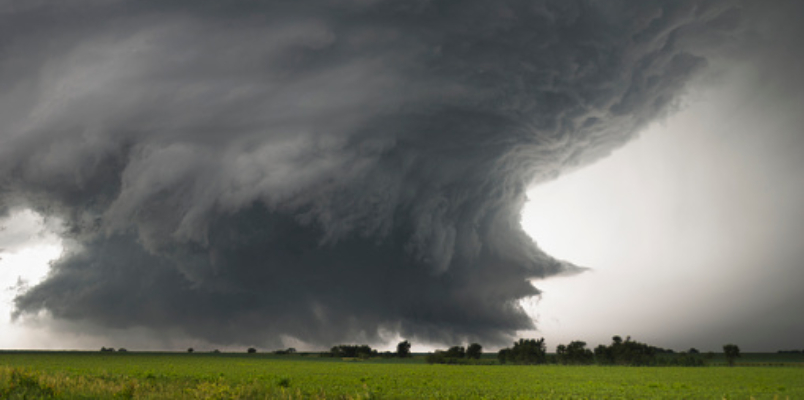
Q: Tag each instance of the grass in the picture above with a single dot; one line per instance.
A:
(87, 375)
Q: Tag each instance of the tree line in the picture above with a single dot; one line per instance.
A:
(532, 352)
(619, 352)
(456, 355)
(365, 351)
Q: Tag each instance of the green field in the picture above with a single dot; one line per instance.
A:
(90, 375)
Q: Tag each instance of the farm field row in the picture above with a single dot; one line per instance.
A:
(224, 376)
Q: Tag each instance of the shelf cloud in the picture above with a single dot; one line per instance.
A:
(250, 171)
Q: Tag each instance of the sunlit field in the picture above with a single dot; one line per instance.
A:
(255, 376)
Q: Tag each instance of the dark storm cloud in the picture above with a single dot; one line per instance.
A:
(244, 171)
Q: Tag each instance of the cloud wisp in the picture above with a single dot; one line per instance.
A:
(319, 170)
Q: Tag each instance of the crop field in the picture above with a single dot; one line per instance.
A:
(88, 375)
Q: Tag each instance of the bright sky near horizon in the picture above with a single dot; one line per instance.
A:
(27, 248)
(695, 226)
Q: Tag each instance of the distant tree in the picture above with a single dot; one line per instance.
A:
(455, 352)
(626, 352)
(216, 351)
(436, 357)
(289, 350)
(731, 351)
(693, 350)
(525, 351)
(504, 355)
(352, 351)
(603, 355)
(475, 350)
(251, 350)
(122, 350)
(190, 350)
(574, 353)
(455, 355)
(107, 350)
(403, 349)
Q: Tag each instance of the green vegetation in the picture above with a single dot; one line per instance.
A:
(620, 352)
(525, 351)
(575, 353)
(474, 351)
(293, 376)
(731, 351)
(403, 349)
(352, 351)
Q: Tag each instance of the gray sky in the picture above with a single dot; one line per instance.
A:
(311, 173)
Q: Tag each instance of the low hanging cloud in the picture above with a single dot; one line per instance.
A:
(247, 171)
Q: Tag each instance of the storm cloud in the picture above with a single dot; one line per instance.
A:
(250, 171)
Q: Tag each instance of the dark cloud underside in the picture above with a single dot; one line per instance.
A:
(244, 171)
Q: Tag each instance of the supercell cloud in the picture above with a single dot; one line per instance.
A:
(249, 171)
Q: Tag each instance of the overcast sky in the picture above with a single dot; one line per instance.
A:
(311, 173)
